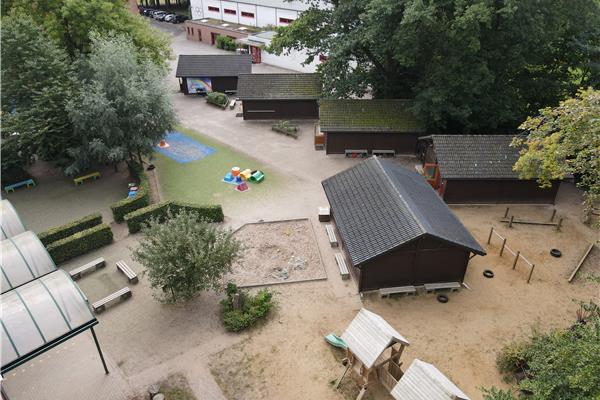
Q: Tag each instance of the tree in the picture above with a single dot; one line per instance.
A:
(469, 65)
(185, 255)
(564, 140)
(123, 108)
(36, 85)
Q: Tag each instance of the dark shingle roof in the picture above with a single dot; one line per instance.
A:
(379, 206)
(376, 115)
(213, 65)
(279, 87)
(475, 156)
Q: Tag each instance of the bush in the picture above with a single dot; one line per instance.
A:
(252, 308)
(217, 98)
(135, 219)
(141, 199)
(497, 394)
(61, 232)
(80, 243)
(512, 359)
(286, 128)
(226, 43)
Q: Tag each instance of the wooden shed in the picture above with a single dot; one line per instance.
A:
(279, 96)
(479, 169)
(395, 229)
(423, 381)
(363, 124)
(211, 72)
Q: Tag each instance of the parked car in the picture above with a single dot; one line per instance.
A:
(156, 14)
(159, 16)
(169, 17)
(148, 12)
(179, 19)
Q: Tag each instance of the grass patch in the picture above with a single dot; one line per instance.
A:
(201, 181)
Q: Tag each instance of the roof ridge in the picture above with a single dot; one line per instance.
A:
(408, 207)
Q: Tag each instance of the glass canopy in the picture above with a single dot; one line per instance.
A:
(24, 258)
(10, 223)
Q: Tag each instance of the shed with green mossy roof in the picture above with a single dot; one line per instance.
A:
(369, 124)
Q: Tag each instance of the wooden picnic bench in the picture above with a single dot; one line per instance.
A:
(121, 294)
(434, 287)
(384, 153)
(13, 186)
(91, 266)
(339, 259)
(129, 273)
(356, 152)
(331, 235)
(80, 179)
(387, 292)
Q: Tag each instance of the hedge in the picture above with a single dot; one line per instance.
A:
(80, 243)
(218, 99)
(135, 219)
(141, 199)
(63, 231)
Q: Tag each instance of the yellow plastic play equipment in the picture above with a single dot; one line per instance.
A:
(246, 174)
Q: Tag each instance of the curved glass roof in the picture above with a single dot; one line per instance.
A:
(10, 222)
(40, 313)
(24, 258)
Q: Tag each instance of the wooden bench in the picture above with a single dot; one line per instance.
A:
(384, 153)
(129, 273)
(12, 187)
(232, 104)
(121, 294)
(434, 287)
(92, 265)
(356, 152)
(331, 235)
(387, 292)
(80, 179)
(339, 259)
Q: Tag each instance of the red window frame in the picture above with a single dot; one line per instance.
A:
(285, 20)
(214, 9)
(247, 14)
(229, 11)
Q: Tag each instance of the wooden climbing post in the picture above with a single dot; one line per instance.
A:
(559, 224)
(530, 272)
(506, 213)
(512, 217)
(490, 236)
(553, 215)
(503, 245)
(516, 259)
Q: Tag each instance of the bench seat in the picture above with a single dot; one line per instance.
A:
(387, 292)
(356, 152)
(385, 153)
(129, 273)
(80, 179)
(91, 266)
(331, 235)
(434, 287)
(121, 294)
(339, 259)
(12, 187)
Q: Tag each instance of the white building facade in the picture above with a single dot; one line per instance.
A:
(259, 13)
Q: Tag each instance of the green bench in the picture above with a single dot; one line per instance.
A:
(11, 188)
(80, 179)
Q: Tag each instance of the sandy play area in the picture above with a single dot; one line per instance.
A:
(277, 252)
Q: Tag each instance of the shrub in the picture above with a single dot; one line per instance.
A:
(141, 199)
(286, 128)
(217, 98)
(252, 308)
(80, 243)
(512, 359)
(226, 43)
(135, 219)
(497, 394)
(61, 232)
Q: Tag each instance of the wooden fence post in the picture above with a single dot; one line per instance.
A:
(516, 259)
(553, 215)
(506, 213)
(530, 272)
(512, 217)
(559, 224)
(502, 248)
(490, 236)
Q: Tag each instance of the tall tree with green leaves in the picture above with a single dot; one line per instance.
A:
(469, 65)
(562, 141)
(123, 108)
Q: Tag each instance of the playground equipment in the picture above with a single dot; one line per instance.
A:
(240, 178)
(336, 341)
(163, 144)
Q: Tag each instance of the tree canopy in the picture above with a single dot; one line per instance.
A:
(469, 65)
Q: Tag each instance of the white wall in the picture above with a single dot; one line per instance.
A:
(266, 16)
(292, 61)
(247, 8)
(289, 14)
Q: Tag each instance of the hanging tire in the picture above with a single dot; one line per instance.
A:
(488, 273)
(442, 298)
(555, 253)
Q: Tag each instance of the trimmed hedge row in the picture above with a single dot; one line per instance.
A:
(218, 99)
(135, 219)
(80, 243)
(63, 231)
(141, 199)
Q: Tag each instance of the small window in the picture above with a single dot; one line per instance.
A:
(247, 14)
(323, 58)
(228, 11)
(214, 9)
(285, 20)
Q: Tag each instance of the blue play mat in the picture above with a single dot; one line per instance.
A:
(184, 149)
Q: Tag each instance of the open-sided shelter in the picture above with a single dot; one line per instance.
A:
(279, 96)
(395, 229)
(479, 169)
(211, 72)
(423, 381)
(10, 222)
(368, 124)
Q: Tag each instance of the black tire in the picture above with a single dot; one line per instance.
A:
(488, 273)
(442, 298)
(555, 253)
(150, 167)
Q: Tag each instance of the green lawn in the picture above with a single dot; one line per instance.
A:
(201, 181)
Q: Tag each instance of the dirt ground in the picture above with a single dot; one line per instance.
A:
(277, 252)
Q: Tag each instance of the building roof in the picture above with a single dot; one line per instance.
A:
(211, 65)
(368, 335)
(279, 86)
(423, 381)
(375, 115)
(225, 25)
(379, 206)
(475, 156)
(10, 222)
